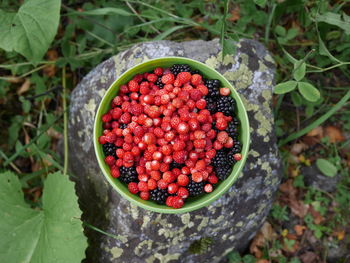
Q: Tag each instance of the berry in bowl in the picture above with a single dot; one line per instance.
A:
(171, 135)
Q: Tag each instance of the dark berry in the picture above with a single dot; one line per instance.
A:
(194, 188)
(159, 83)
(175, 165)
(232, 129)
(128, 174)
(213, 86)
(159, 195)
(230, 159)
(109, 149)
(226, 105)
(223, 172)
(177, 68)
(123, 126)
(211, 104)
(220, 158)
(194, 71)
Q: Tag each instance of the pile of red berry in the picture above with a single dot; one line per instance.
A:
(170, 135)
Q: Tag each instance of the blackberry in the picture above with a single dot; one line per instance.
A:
(159, 83)
(230, 159)
(232, 129)
(194, 188)
(223, 172)
(159, 195)
(220, 158)
(123, 126)
(177, 68)
(194, 71)
(237, 147)
(128, 174)
(213, 86)
(175, 165)
(211, 104)
(226, 105)
(109, 149)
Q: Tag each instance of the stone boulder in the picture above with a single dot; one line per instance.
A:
(204, 235)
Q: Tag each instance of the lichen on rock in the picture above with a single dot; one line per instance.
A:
(229, 222)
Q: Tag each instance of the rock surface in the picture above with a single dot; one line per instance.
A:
(228, 223)
(313, 177)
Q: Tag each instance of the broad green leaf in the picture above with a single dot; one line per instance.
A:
(53, 234)
(299, 70)
(292, 33)
(308, 91)
(260, 3)
(103, 11)
(285, 87)
(30, 30)
(326, 167)
(297, 100)
(280, 30)
(335, 19)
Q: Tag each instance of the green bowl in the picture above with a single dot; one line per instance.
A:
(190, 203)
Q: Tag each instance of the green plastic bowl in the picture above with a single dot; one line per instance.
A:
(190, 203)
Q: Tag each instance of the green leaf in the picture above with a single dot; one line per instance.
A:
(299, 70)
(234, 257)
(292, 33)
(285, 87)
(103, 11)
(323, 50)
(53, 234)
(31, 30)
(326, 167)
(280, 30)
(308, 91)
(297, 100)
(168, 32)
(260, 3)
(336, 20)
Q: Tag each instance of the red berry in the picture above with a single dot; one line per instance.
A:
(183, 128)
(152, 184)
(179, 145)
(133, 86)
(162, 184)
(203, 89)
(177, 202)
(222, 137)
(183, 180)
(213, 179)
(109, 160)
(149, 138)
(194, 124)
(183, 192)
(196, 94)
(237, 156)
(172, 188)
(201, 104)
(133, 188)
(197, 177)
(208, 188)
(168, 78)
(158, 71)
(144, 195)
(169, 201)
(199, 144)
(115, 172)
(196, 79)
(183, 77)
(152, 77)
(225, 91)
(106, 117)
(221, 124)
(168, 177)
(180, 156)
(125, 118)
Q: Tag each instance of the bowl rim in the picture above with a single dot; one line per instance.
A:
(196, 205)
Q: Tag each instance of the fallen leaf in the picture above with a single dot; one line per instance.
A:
(339, 234)
(334, 134)
(257, 242)
(235, 14)
(267, 231)
(288, 188)
(299, 229)
(318, 219)
(13, 79)
(24, 87)
(316, 132)
(297, 148)
(309, 257)
(263, 261)
(50, 69)
(298, 208)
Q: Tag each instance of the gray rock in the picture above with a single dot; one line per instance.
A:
(228, 223)
(313, 177)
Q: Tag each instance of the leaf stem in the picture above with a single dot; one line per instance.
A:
(65, 121)
(268, 25)
(317, 122)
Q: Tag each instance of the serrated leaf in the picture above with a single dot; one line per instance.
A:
(308, 91)
(53, 234)
(31, 30)
(326, 167)
(335, 19)
(103, 11)
(285, 87)
(280, 30)
(299, 70)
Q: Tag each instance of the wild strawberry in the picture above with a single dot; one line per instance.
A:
(158, 71)
(179, 145)
(229, 143)
(115, 172)
(178, 103)
(177, 202)
(193, 124)
(152, 184)
(109, 160)
(197, 177)
(164, 99)
(168, 177)
(180, 156)
(168, 78)
(222, 137)
(225, 91)
(133, 188)
(185, 170)
(110, 137)
(155, 165)
(217, 145)
(152, 77)
(183, 192)
(183, 77)
(221, 124)
(148, 99)
(144, 195)
(102, 139)
(169, 201)
(133, 86)
(213, 179)
(208, 188)
(200, 165)
(203, 89)
(196, 79)
(201, 104)
(169, 136)
(149, 138)
(155, 175)
(182, 128)
(237, 156)
(175, 122)
(158, 132)
(124, 89)
(106, 117)
(162, 184)
(125, 118)
(199, 144)
(172, 188)
(138, 78)
(196, 94)
(185, 95)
